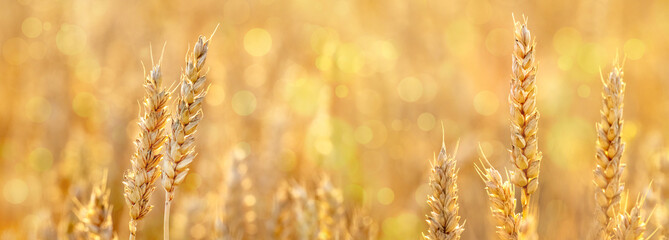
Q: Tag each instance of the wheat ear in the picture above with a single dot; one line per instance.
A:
(610, 149)
(525, 154)
(361, 226)
(96, 215)
(443, 220)
(305, 212)
(630, 225)
(139, 180)
(237, 189)
(180, 149)
(502, 200)
(282, 223)
(330, 210)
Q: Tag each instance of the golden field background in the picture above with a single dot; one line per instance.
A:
(357, 90)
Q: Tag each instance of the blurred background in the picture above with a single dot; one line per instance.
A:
(357, 90)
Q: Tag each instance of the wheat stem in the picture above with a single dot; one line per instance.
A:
(166, 218)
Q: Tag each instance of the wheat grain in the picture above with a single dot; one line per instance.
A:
(139, 180)
(96, 215)
(443, 220)
(610, 149)
(502, 201)
(180, 149)
(525, 154)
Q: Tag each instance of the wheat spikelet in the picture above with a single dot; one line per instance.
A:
(330, 210)
(140, 179)
(502, 201)
(443, 220)
(525, 154)
(610, 149)
(96, 215)
(629, 225)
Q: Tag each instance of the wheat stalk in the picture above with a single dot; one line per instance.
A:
(610, 149)
(96, 215)
(502, 200)
(525, 154)
(180, 149)
(630, 225)
(443, 220)
(139, 180)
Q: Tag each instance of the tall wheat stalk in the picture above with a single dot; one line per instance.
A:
(443, 220)
(525, 154)
(610, 149)
(180, 149)
(139, 180)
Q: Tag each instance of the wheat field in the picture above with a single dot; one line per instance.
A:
(334, 119)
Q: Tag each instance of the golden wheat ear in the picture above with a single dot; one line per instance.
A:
(139, 180)
(501, 198)
(443, 220)
(609, 151)
(180, 147)
(525, 154)
(96, 214)
(238, 187)
(330, 205)
(630, 225)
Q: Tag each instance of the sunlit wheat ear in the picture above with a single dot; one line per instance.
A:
(235, 207)
(630, 225)
(305, 212)
(282, 223)
(610, 149)
(501, 199)
(180, 147)
(330, 210)
(525, 154)
(360, 226)
(139, 180)
(443, 220)
(96, 214)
